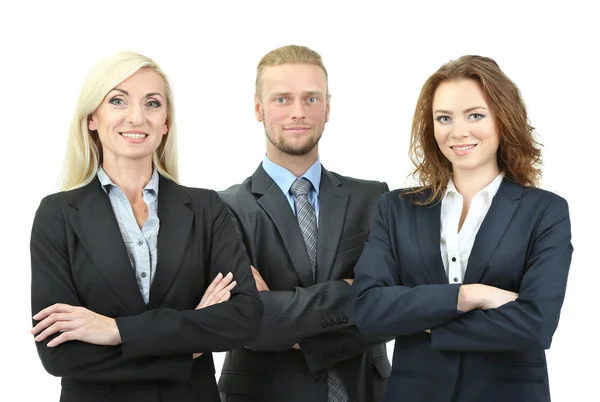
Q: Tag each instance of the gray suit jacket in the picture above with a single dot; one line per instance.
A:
(316, 316)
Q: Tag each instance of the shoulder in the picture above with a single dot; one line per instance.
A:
(61, 200)
(353, 183)
(544, 200)
(409, 197)
(238, 196)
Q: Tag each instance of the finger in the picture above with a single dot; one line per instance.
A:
(257, 277)
(214, 282)
(255, 272)
(217, 296)
(62, 338)
(226, 293)
(223, 283)
(213, 296)
(225, 298)
(218, 283)
(55, 308)
(51, 319)
(60, 326)
(210, 287)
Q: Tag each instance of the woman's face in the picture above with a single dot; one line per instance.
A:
(464, 127)
(132, 119)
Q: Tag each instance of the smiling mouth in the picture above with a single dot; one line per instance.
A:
(464, 147)
(134, 136)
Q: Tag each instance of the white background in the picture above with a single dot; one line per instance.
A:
(378, 55)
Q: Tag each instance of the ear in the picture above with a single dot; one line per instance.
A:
(258, 109)
(92, 123)
(327, 109)
(165, 128)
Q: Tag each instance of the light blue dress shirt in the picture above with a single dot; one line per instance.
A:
(141, 244)
(284, 179)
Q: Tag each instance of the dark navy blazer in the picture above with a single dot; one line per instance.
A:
(401, 289)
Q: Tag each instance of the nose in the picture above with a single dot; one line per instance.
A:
(298, 109)
(460, 129)
(135, 115)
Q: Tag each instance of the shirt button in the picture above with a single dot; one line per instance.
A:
(143, 275)
(455, 279)
(140, 242)
(453, 259)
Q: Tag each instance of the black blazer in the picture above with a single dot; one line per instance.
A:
(78, 257)
(401, 287)
(297, 311)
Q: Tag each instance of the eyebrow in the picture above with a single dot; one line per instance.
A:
(148, 95)
(303, 93)
(464, 111)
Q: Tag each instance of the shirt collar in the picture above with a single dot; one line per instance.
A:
(284, 178)
(106, 182)
(490, 190)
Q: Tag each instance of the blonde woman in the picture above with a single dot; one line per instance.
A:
(133, 275)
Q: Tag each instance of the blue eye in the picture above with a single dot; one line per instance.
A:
(116, 101)
(312, 99)
(280, 100)
(153, 103)
(476, 116)
(444, 119)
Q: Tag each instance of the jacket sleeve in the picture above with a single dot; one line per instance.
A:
(530, 321)
(382, 304)
(220, 327)
(51, 282)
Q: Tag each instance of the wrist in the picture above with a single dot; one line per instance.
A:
(467, 299)
(116, 334)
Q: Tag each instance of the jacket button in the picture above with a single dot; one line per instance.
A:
(338, 320)
(330, 321)
(345, 319)
(320, 377)
(324, 324)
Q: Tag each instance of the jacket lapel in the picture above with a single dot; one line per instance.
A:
(275, 204)
(333, 205)
(94, 223)
(176, 220)
(428, 238)
(492, 229)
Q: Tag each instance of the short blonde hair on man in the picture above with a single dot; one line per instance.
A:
(290, 54)
(84, 152)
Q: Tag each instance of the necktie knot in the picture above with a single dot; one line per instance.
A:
(300, 186)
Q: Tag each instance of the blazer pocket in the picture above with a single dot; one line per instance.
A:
(231, 382)
(353, 242)
(383, 366)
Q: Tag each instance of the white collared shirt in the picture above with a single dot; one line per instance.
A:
(456, 246)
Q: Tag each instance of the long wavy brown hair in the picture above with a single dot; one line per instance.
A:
(519, 154)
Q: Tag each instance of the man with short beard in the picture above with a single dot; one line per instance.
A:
(304, 229)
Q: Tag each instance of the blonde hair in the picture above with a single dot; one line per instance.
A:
(84, 151)
(290, 54)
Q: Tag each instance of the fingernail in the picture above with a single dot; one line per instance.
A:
(230, 274)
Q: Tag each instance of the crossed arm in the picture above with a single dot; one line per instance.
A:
(472, 317)
(160, 344)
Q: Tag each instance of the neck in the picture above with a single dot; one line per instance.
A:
(470, 182)
(297, 164)
(130, 175)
